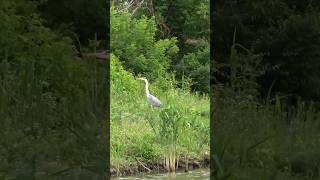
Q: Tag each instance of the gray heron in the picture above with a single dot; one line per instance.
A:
(152, 99)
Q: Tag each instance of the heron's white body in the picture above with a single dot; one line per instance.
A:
(151, 99)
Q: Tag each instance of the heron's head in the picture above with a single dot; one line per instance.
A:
(142, 78)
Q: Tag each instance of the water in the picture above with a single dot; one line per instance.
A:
(198, 174)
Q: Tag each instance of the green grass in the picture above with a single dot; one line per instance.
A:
(132, 119)
(262, 142)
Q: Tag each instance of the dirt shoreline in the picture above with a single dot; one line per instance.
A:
(153, 168)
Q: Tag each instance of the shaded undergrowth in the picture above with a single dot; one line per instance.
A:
(263, 142)
(52, 104)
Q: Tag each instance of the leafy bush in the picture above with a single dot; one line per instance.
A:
(122, 80)
(133, 41)
(196, 66)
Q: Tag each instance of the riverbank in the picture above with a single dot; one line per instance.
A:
(195, 174)
(156, 167)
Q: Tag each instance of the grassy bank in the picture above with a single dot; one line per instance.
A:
(140, 134)
(266, 141)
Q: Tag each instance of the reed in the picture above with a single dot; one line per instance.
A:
(170, 126)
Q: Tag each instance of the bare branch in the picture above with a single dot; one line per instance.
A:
(139, 5)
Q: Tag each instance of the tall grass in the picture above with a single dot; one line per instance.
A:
(169, 133)
(51, 108)
(263, 142)
(262, 138)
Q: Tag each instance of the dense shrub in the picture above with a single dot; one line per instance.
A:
(133, 41)
(122, 80)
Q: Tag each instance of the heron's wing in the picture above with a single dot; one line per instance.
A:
(154, 101)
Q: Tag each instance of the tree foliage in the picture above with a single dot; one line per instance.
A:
(133, 41)
(51, 103)
(172, 25)
(83, 18)
(286, 33)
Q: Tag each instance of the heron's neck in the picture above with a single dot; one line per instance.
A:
(147, 87)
